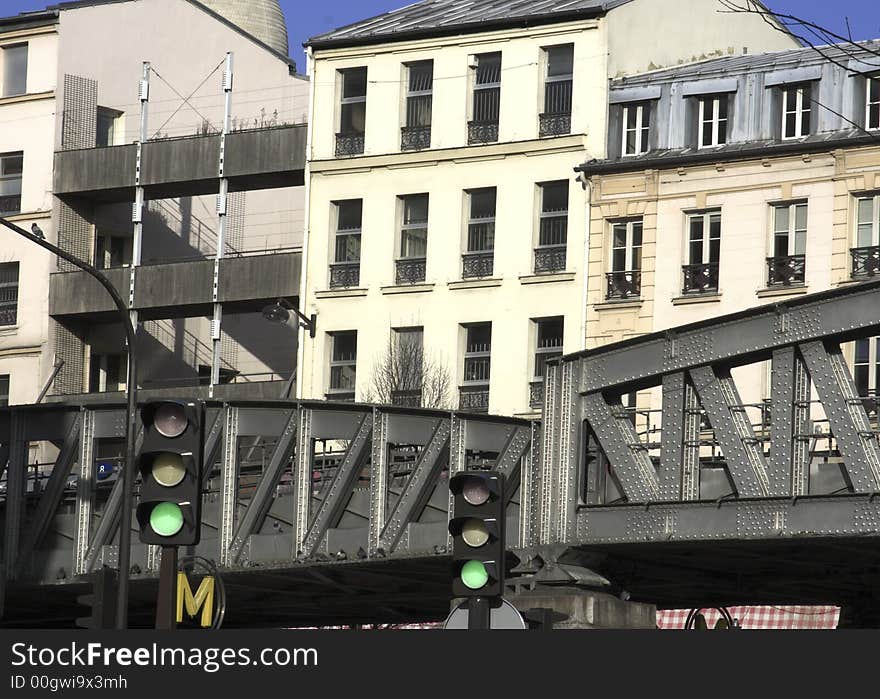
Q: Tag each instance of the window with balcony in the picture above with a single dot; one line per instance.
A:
(703, 253)
(352, 111)
(866, 252)
(788, 264)
(712, 120)
(108, 373)
(479, 260)
(872, 115)
(8, 293)
(109, 127)
(636, 128)
(796, 111)
(412, 260)
(15, 64)
(474, 392)
(555, 120)
(345, 270)
(486, 105)
(11, 168)
(416, 133)
(343, 365)
(866, 371)
(548, 345)
(624, 281)
(550, 254)
(4, 390)
(405, 373)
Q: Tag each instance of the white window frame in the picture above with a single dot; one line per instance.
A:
(873, 362)
(551, 79)
(477, 355)
(12, 178)
(343, 100)
(798, 110)
(478, 87)
(630, 248)
(870, 83)
(3, 58)
(414, 226)
(714, 119)
(415, 94)
(875, 221)
(477, 221)
(331, 389)
(707, 236)
(640, 146)
(793, 230)
(14, 275)
(550, 351)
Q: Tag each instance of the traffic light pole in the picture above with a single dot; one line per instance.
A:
(130, 417)
(479, 612)
(167, 600)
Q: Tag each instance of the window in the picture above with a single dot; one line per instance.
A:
(15, 61)
(346, 268)
(107, 373)
(636, 128)
(866, 371)
(406, 371)
(787, 265)
(866, 253)
(411, 262)
(872, 117)
(343, 365)
(552, 228)
(416, 134)
(112, 250)
(556, 118)
(796, 109)
(109, 129)
(625, 277)
(477, 365)
(479, 260)
(486, 107)
(4, 390)
(704, 253)
(353, 112)
(11, 167)
(713, 121)
(8, 293)
(548, 345)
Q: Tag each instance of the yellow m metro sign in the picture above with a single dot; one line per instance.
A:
(204, 599)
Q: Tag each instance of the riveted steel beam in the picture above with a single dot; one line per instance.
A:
(85, 494)
(673, 436)
(378, 480)
(417, 491)
(544, 485)
(213, 440)
(510, 459)
(789, 409)
(16, 481)
(846, 414)
(302, 480)
(229, 486)
(258, 508)
(742, 451)
(565, 498)
(530, 491)
(331, 508)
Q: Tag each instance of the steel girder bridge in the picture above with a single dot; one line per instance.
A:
(320, 513)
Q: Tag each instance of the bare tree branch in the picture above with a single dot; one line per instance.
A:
(405, 375)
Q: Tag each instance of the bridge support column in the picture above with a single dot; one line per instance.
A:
(587, 609)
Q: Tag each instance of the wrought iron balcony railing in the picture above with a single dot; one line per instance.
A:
(700, 279)
(340, 396)
(349, 144)
(415, 137)
(865, 261)
(474, 399)
(624, 285)
(554, 124)
(786, 270)
(406, 399)
(550, 258)
(536, 394)
(411, 270)
(477, 264)
(10, 205)
(482, 132)
(345, 274)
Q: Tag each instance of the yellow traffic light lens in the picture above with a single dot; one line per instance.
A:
(475, 491)
(166, 519)
(474, 575)
(474, 533)
(168, 469)
(170, 420)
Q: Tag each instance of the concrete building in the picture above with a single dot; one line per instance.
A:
(443, 215)
(756, 180)
(71, 114)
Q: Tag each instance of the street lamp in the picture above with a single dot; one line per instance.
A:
(36, 236)
(279, 312)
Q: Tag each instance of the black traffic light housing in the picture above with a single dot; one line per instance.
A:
(170, 466)
(477, 527)
(101, 601)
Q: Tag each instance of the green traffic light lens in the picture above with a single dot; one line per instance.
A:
(166, 519)
(168, 469)
(474, 575)
(474, 533)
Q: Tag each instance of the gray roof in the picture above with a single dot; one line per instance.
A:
(759, 62)
(441, 17)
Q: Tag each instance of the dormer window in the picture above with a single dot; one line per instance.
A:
(796, 110)
(712, 120)
(636, 128)
(872, 118)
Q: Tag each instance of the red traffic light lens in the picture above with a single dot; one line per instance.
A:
(170, 420)
(475, 491)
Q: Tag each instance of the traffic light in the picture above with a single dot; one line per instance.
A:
(170, 465)
(101, 601)
(477, 527)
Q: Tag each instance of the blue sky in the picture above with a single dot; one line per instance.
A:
(306, 18)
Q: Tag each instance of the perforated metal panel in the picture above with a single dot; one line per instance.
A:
(80, 117)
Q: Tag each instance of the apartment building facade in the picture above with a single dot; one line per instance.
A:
(444, 222)
(72, 108)
(748, 180)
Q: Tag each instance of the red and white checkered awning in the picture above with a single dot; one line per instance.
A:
(758, 617)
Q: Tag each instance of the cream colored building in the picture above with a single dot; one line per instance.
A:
(443, 212)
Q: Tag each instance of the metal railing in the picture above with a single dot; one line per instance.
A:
(554, 124)
(411, 270)
(10, 205)
(415, 137)
(482, 132)
(550, 258)
(474, 399)
(477, 264)
(624, 285)
(700, 279)
(407, 399)
(865, 261)
(536, 393)
(344, 274)
(786, 270)
(349, 144)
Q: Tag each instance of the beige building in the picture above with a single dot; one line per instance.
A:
(62, 91)
(443, 218)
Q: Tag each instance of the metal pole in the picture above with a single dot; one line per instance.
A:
(131, 413)
(167, 599)
(478, 614)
